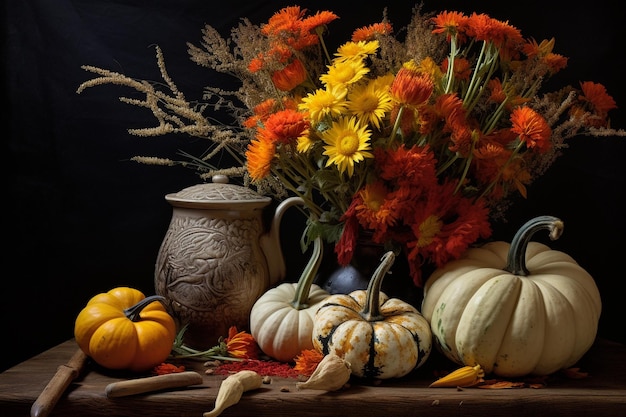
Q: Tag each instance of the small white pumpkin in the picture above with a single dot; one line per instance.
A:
(514, 309)
(281, 320)
(380, 337)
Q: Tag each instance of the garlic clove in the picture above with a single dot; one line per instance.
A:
(331, 374)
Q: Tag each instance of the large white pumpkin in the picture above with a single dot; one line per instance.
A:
(516, 309)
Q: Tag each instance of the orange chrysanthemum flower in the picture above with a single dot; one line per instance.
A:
(259, 157)
(543, 51)
(452, 24)
(505, 37)
(322, 18)
(286, 126)
(411, 86)
(596, 95)
(462, 68)
(290, 27)
(241, 344)
(532, 128)
(261, 113)
(533, 49)
(279, 52)
(264, 108)
(497, 94)
(409, 119)
(444, 226)
(373, 209)
(555, 62)
(286, 20)
(370, 32)
(306, 362)
(489, 158)
(290, 77)
(415, 166)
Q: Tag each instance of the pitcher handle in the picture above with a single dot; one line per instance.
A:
(270, 242)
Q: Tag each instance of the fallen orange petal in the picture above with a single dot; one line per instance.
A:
(466, 376)
(502, 385)
(574, 373)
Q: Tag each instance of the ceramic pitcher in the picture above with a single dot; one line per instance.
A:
(218, 257)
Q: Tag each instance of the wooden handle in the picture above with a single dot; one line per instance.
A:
(64, 376)
(152, 383)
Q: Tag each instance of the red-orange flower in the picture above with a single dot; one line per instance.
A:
(285, 126)
(444, 226)
(555, 62)
(532, 49)
(543, 51)
(290, 77)
(368, 33)
(451, 23)
(290, 27)
(279, 52)
(532, 128)
(497, 94)
(505, 37)
(167, 368)
(259, 157)
(318, 20)
(462, 68)
(241, 344)
(286, 20)
(596, 95)
(373, 209)
(415, 166)
(307, 361)
(411, 86)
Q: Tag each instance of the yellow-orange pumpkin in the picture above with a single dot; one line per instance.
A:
(123, 330)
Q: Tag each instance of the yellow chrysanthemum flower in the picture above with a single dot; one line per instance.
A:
(370, 104)
(305, 143)
(356, 50)
(344, 73)
(329, 102)
(347, 142)
(429, 66)
(383, 82)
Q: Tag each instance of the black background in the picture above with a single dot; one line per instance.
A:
(81, 219)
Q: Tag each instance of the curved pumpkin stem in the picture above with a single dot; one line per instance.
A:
(371, 308)
(133, 313)
(516, 259)
(303, 288)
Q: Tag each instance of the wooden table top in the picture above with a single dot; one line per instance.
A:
(602, 393)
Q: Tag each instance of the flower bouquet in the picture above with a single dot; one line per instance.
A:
(421, 140)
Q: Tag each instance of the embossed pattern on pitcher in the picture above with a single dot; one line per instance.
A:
(211, 271)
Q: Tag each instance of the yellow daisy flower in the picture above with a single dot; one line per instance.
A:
(344, 72)
(347, 142)
(370, 104)
(322, 103)
(305, 143)
(356, 50)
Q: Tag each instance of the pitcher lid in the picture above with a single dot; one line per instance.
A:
(218, 194)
